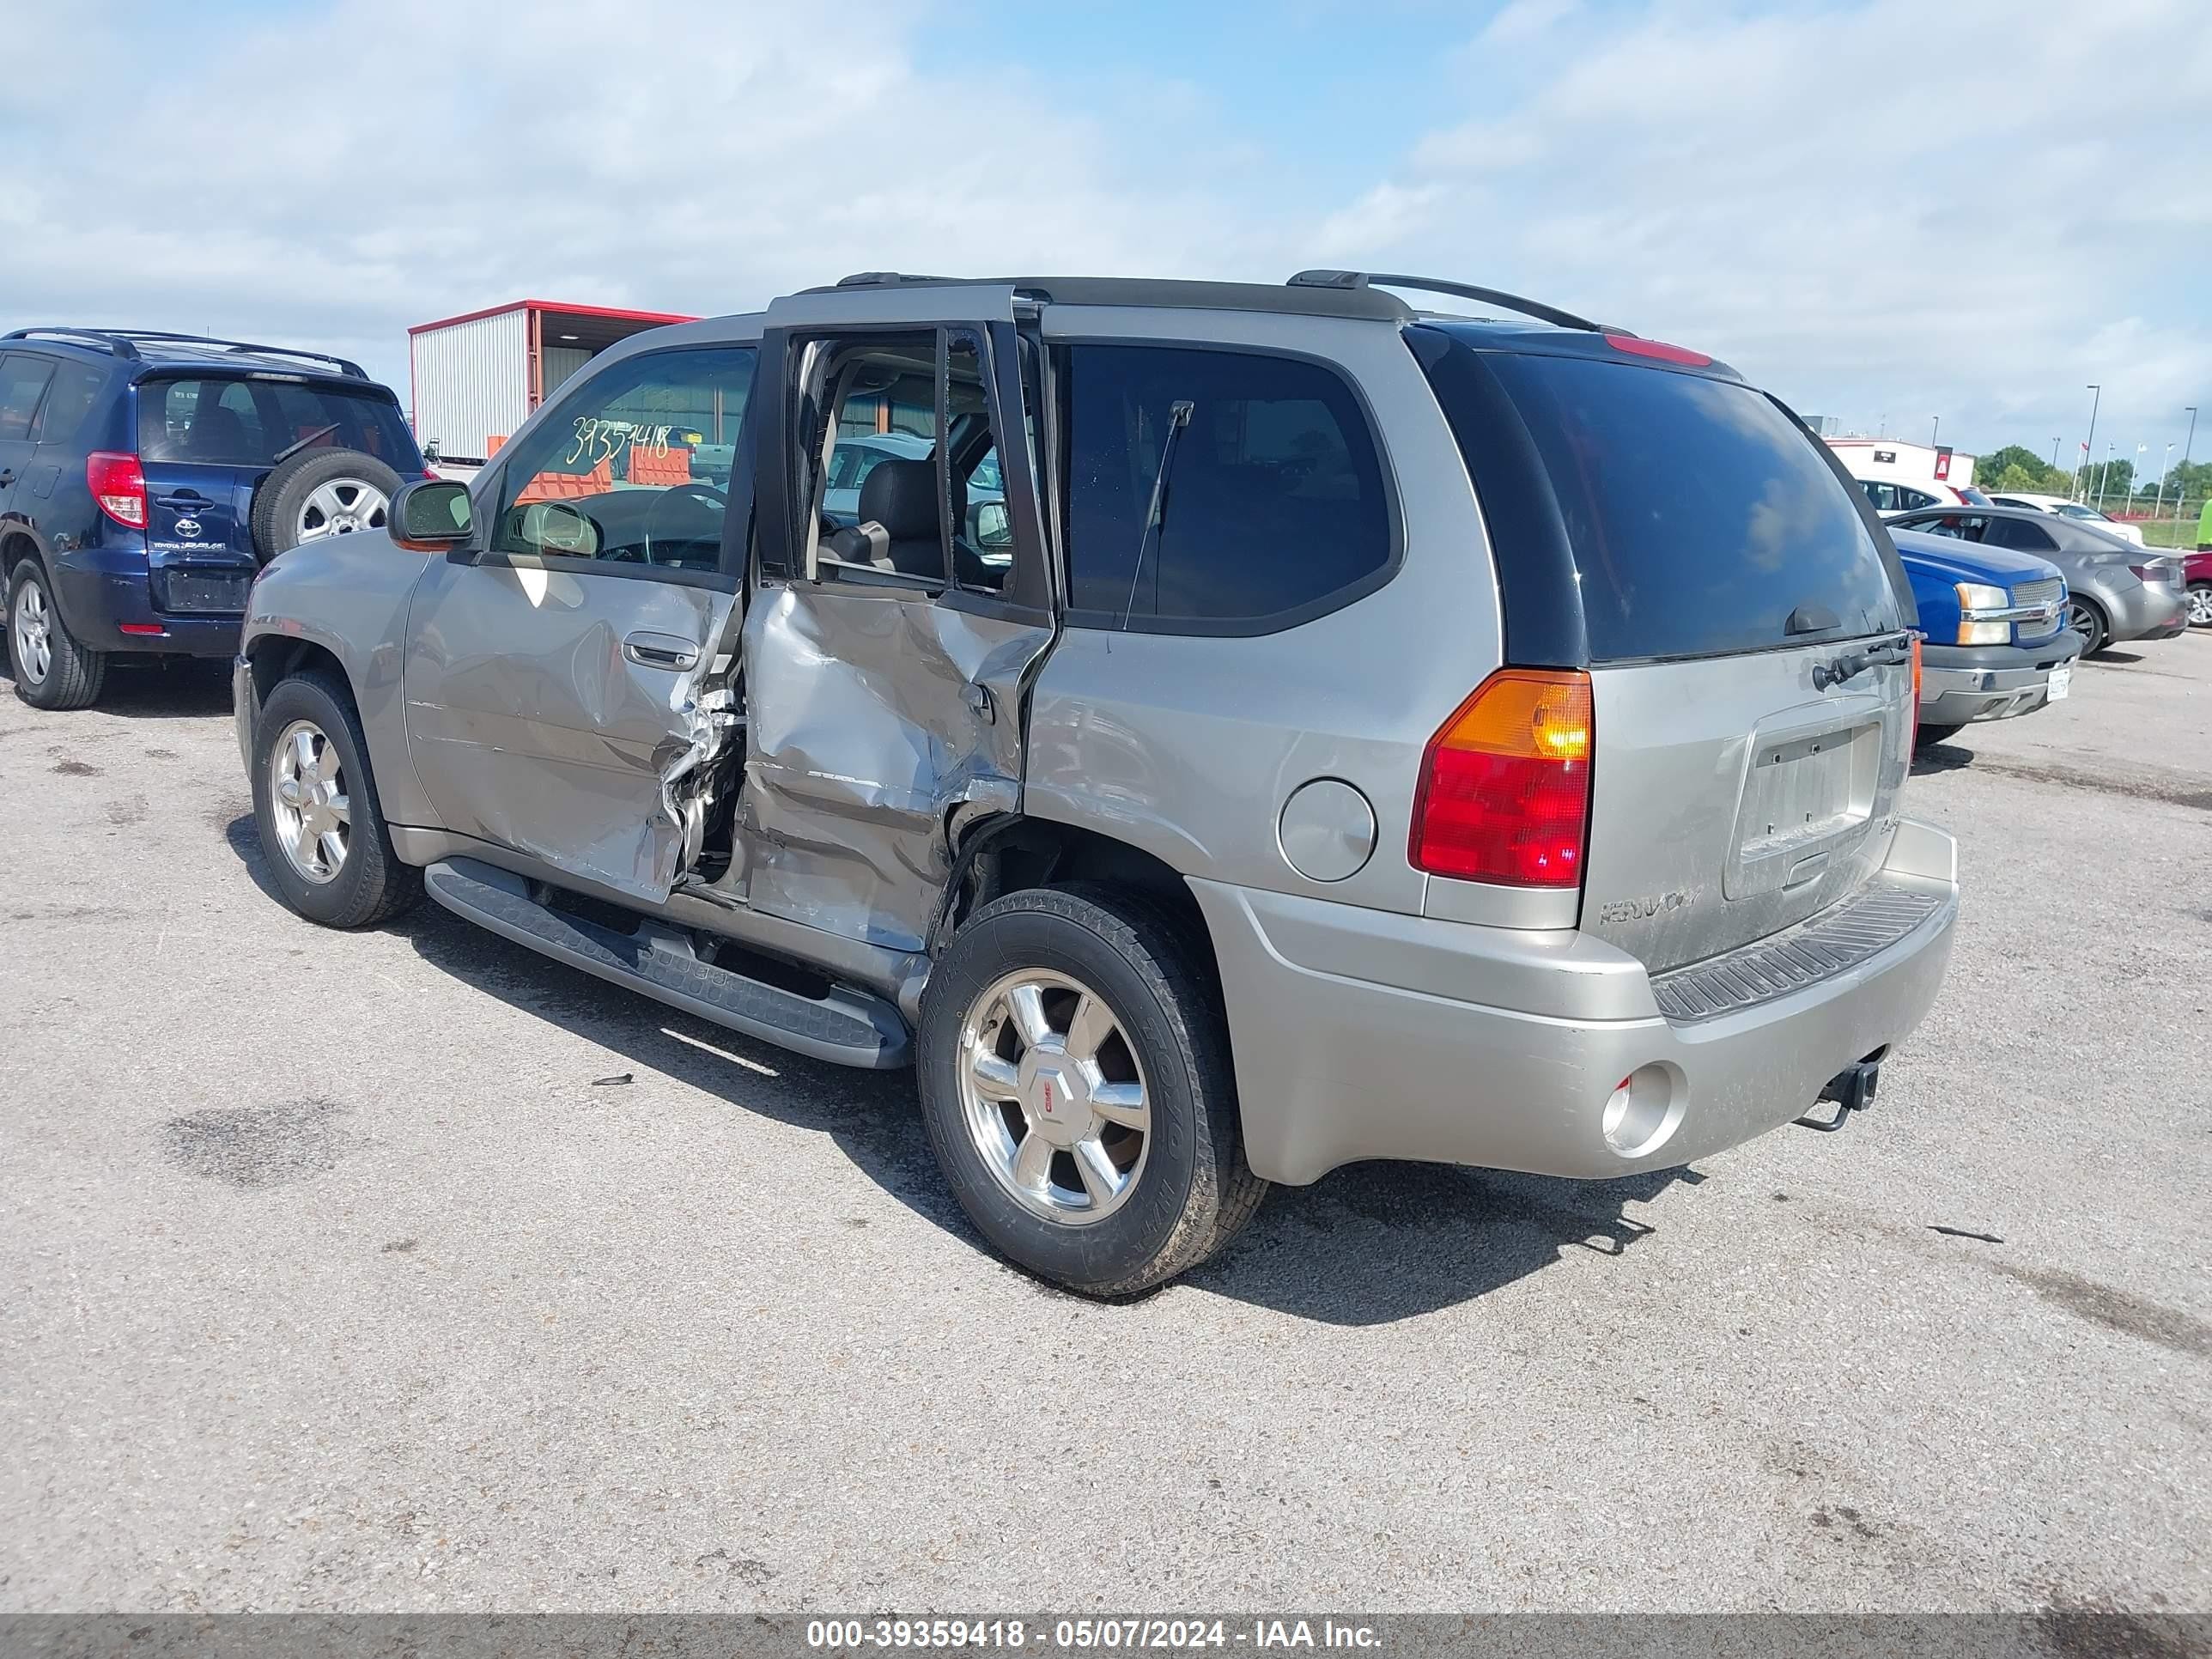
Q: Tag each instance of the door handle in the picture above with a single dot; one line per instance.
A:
(7, 477)
(979, 698)
(183, 500)
(660, 651)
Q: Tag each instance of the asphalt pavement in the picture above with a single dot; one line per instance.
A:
(406, 1270)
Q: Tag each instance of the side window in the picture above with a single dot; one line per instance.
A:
(2020, 534)
(1216, 489)
(1884, 496)
(70, 402)
(633, 466)
(23, 378)
(1949, 525)
(900, 495)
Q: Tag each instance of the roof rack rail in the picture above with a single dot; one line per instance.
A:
(1536, 308)
(891, 279)
(106, 340)
(344, 365)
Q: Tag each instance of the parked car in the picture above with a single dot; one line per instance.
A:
(2197, 570)
(1889, 497)
(2114, 592)
(1286, 799)
(1996, 645)
(2079, 511)
(144, 476)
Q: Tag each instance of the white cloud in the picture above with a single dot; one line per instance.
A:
(1874, 206)
(1887, 207)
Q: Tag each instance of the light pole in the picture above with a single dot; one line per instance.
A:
(2104, 473)
(2054, 454)
(2165, 466)
(1934, 429)
(2185, 443)
(2089, 443)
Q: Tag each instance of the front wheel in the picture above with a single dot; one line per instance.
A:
(315, 807)
(1078, 1092)
(2200, 605)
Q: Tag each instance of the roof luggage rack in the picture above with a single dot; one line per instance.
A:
(104, 340)
(1536, 308)
(124, 343)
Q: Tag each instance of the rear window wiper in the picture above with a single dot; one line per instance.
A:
(292, 449)
(1897, 647)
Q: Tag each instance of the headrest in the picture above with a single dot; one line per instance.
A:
(902, 497)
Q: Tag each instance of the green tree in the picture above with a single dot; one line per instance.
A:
(2015, 467)
(2109, 479)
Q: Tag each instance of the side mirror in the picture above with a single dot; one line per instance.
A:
(994, 529)
(431, 516)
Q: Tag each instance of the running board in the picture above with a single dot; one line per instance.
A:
(848, 1027)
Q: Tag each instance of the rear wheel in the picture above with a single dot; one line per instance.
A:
(2200, 605)
(52, 670)
(1077, 1092)
(315, 807)
(2085, 619)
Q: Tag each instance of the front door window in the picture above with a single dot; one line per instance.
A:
(633, 467)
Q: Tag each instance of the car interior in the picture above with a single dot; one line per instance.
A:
(907, 523)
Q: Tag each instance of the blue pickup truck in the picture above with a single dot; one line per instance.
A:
(1996, 640)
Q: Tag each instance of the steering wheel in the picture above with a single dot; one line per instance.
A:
(717, 501)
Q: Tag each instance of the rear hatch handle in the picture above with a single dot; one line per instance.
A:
(1839, 670)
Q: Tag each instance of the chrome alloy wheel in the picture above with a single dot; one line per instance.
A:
(1054, 1097)
(307, 798)
(34, 639)
(339, 507)
(2200, 605)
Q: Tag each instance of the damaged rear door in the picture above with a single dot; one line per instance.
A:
(561, 693)
(888, 650)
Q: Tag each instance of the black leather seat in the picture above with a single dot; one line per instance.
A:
(900, 496)
(215, 434)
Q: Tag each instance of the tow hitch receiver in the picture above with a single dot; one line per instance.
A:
(1852, 1089)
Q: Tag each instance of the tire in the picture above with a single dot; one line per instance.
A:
(2200, 605)
(320, 492)
(1188, 1189)
(52, 670)
(2083, 617)
(1933, 734)
(367, 884)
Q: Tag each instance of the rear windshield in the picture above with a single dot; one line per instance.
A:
(235, 423)
(1701, 519)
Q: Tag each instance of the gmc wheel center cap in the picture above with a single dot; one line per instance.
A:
(1056, 1097)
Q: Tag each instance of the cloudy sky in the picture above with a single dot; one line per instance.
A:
(1885, 209)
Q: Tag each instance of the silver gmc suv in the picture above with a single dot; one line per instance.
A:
(1234, 731)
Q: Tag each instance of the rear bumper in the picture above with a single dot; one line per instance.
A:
(1362, 1034)
(2150, 611)
(102, 590)
(1960, 683)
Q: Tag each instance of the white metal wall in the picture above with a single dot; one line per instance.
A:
(471, 382)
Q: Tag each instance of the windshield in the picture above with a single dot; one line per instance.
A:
(249, 423)
(1702, 520)
(2076, 510)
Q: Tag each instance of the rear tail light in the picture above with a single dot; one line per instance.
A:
(1505, 788)
(118, 484)
(2157, 571)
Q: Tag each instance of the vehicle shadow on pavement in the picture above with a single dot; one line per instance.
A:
(186, 688)
(1936, 758)
(1366, 1245)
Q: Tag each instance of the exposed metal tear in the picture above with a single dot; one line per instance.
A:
(874, 718)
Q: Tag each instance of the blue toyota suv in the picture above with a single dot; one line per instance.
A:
(145, 477)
